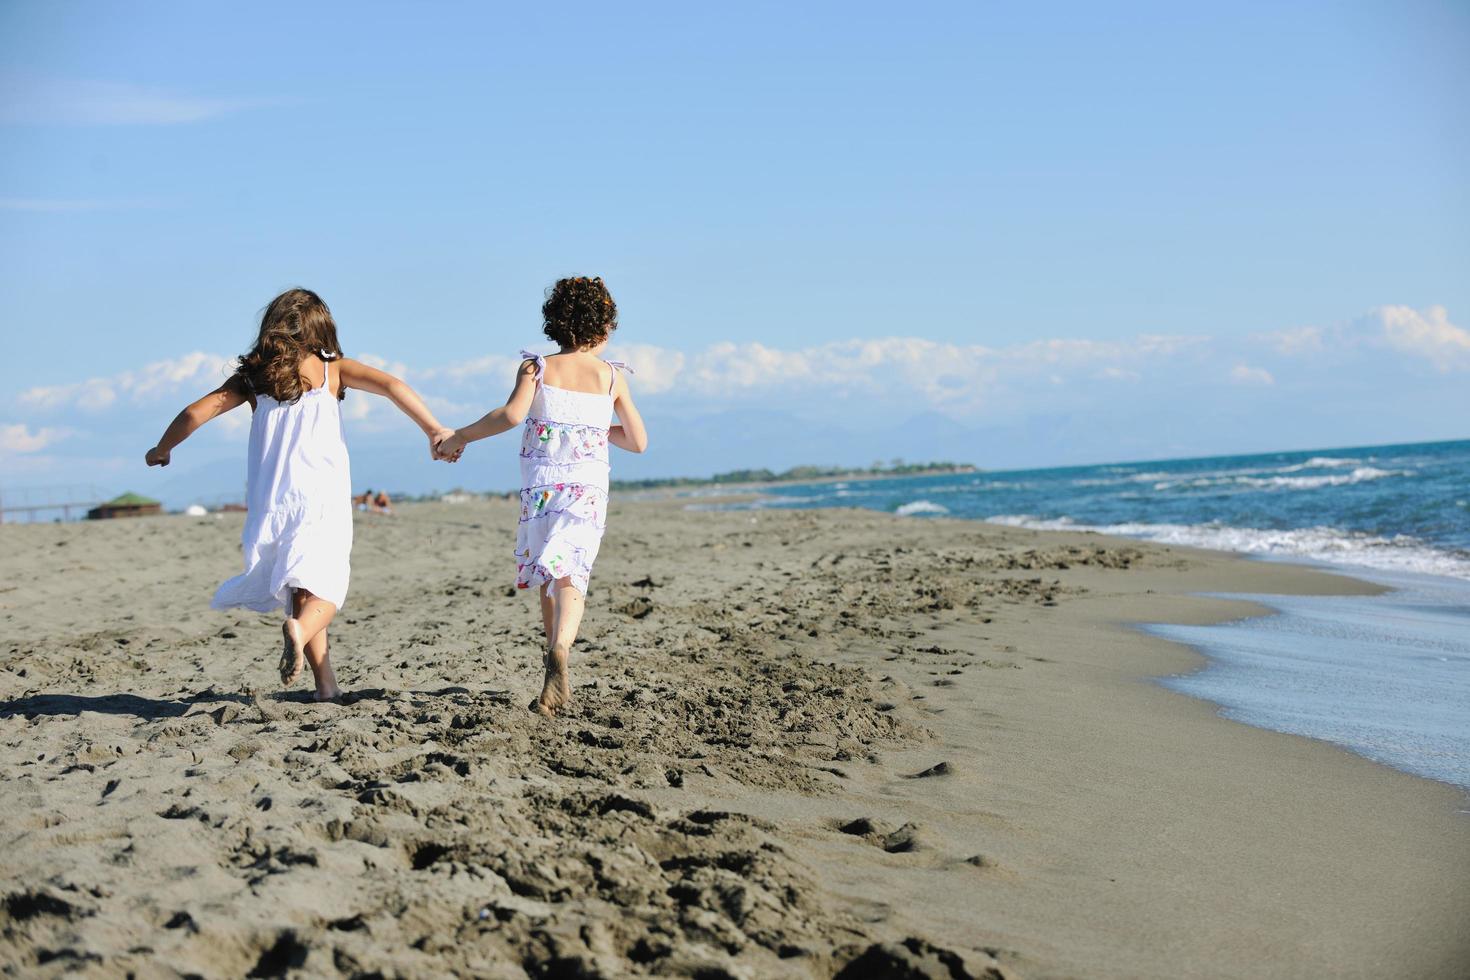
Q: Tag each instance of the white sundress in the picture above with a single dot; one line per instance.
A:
(564, 473)
(298, 499)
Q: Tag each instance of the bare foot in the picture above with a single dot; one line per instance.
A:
(556, 693)
(293, 652)
(326, 681)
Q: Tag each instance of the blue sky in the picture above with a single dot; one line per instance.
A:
(1013, 235)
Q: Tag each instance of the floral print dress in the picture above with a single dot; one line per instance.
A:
(564, 474)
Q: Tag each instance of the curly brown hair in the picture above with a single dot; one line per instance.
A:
(579, 312)
(295, 324)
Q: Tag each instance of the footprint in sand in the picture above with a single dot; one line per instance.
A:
(862, 827)
(181, 920)
(903, 840)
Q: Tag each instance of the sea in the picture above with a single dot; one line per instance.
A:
(1385, 676)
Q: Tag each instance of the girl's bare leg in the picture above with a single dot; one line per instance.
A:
(556, 692)
(548, 619)
(309, 616)
(321, 668)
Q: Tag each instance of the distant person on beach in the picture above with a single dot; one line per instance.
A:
(378, 503)
(298, 524)
(567, 402)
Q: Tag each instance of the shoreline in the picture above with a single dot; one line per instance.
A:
(945, 736)
(1276, 676)
(1327, 772)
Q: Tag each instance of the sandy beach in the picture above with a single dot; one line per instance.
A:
(802, 744)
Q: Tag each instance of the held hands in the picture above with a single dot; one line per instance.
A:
(450, 447)
(447, 445)
(156, 457)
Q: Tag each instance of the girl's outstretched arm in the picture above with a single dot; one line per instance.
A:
(355, 374)
(629, 434)
(228, 396)
(499, 420)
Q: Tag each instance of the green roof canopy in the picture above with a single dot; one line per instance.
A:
(130, 499)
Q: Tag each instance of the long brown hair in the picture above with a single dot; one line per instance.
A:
(295, 324)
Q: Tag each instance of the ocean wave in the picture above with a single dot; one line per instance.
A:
(788, 499)
(1322, 463)
(920, 507)
(1362, 474)
(1119, 480)
(1168, 479)
(1401, 553)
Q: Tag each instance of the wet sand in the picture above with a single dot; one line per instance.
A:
(802, 744)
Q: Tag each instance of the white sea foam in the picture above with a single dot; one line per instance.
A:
(1119, 480)
(1321, 463)
(1362, 474)
(1257, 476)
(1400, 553)
(920, 507)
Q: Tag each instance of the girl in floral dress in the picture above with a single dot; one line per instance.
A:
(566, 403)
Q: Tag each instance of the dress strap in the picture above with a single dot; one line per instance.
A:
(617, 366)
(327, 358)
(540, 362)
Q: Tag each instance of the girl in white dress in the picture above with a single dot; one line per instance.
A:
(298, 522)
(567, 402)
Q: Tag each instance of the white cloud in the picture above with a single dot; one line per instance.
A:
(1293, 341)
(494, 366)
(396, 368)
(1422, 334)
(18, 438)
(655, 368)
(452, 412)
(235, 422)
(93, 395)
(1428, 334)
(1244, 374)
(195, 373)
(1393, 351)
(357, 406)
(190, 370)
(958, 378)
(29, 100)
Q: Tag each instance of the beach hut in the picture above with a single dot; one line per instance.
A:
(128, 505)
